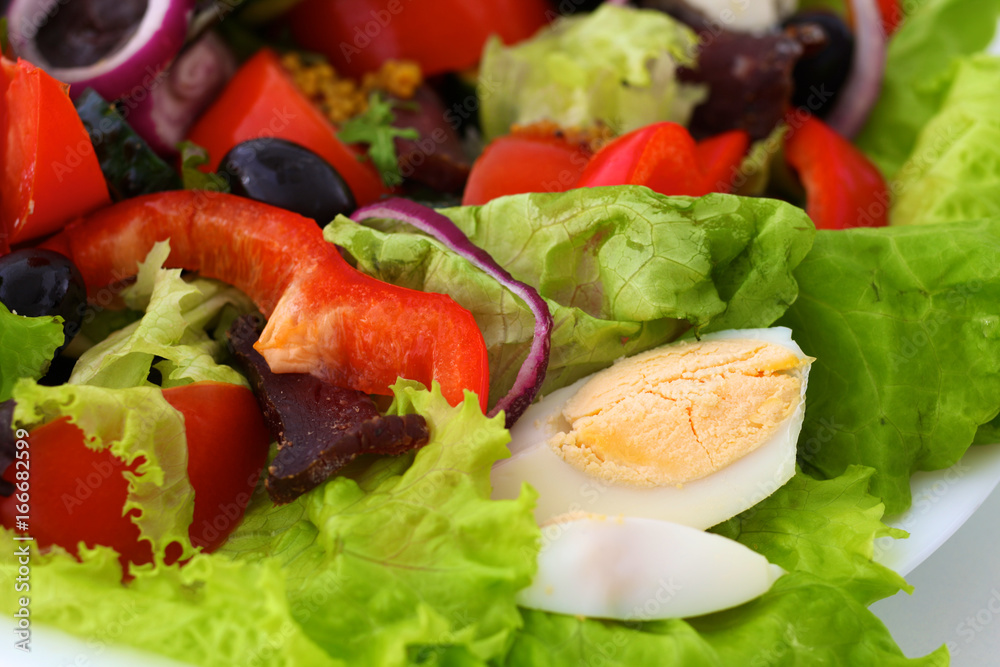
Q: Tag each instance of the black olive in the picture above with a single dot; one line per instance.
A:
(36, 282)
(284, 174)
(821, 72)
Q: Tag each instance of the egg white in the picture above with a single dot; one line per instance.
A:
(626, 568)
(563, 488)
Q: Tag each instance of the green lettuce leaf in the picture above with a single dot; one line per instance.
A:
(623, 269)
(801, 621)
(170, 335)
(827, 528)
(905, 328)
(823, 533)
(919, 67)
(408, 553)
(212, 612)
(27, 345)
(616, 65)
(954, 172)
(135, 425)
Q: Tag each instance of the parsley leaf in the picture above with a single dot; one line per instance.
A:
(192, 157)
(374, 127)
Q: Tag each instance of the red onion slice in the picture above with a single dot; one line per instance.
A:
(163, 115)
(532, 373)
(864, 83)
(134, 66)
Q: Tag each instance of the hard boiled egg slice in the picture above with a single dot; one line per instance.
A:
(693, 432)
(642, 569)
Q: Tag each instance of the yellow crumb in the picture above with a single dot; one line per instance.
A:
(340, 99)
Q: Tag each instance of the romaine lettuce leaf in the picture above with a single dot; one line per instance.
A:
(954, 171)
(827, 528)
(134, 424)
(27, 345)
(919, 67)
(823, 533)
(170, 335)
(905, 328)
(617, 66)
(623, 269)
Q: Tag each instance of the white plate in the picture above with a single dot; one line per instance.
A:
(942, 501)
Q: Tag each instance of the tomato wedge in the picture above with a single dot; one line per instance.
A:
(518, 163)
(50, 172)
(665, 158)
(262, 101)
(843, 188)
(77, 494)
(325, 318)
(442, 35)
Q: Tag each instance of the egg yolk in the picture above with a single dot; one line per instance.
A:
(679, 413)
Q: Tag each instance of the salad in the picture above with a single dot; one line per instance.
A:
(294, 293)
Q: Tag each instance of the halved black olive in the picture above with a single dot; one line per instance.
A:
(285, 174)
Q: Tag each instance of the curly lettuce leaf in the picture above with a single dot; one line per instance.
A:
(918, 70)
(212, 612)
(27, 345)
(623, 269)
(953, 174)
(904, 325)
(135, 425)
(616, 66)
(409, 552)
(171, 334)
(823, 533)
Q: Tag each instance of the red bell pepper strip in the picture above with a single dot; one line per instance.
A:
(843, 188)
(720, 157)
(261, 100)
(77, 493)
(665, 158)
(50, 172)
(324, 317)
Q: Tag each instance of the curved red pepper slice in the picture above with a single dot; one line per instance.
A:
(843, 188)
(324, 317)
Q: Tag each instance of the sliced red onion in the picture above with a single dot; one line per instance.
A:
(133, 66)
(864, 83)
(532, 373)
(163, 115)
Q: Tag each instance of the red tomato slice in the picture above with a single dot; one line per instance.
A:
(262, 101)
(357, 36)
(325, 317)
(843, 188)
(516, 163)
(720, 156)
(50, 172)
(665, 158)
(77, 494)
